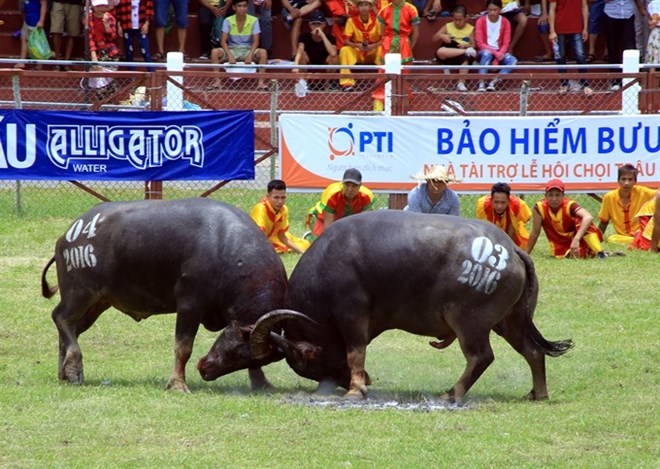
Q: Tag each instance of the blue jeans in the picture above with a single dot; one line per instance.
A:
(265, 23)
(575, 40)
(143, 41)
(486, 58)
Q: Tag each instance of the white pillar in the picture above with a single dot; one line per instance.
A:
(630, 99)
(392, 65)
(174, 93)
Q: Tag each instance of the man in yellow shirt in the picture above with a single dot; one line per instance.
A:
(622, 204)
(362, 41)
(272, 216)
(648, 238)
(507, 212)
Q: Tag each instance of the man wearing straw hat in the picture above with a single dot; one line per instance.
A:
(362, 41)
(432, 194)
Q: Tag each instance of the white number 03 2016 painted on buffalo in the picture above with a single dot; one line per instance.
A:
(80, 256)
(482, 272)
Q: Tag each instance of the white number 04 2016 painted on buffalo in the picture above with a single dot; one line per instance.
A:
(483, 271)
(81, 256)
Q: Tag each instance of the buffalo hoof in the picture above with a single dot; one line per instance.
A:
(534, 396)
(259, 382)
(356, 394)
(176, 384)
(451, 399)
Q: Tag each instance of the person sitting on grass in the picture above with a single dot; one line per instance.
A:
(456, 43)
(505, 211)
(432, 195)
(648, 236)
(240, 42)
(339, 200)
(622, 204)
(272, 216)
(568, 227)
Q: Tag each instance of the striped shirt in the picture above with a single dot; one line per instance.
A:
(620, 9)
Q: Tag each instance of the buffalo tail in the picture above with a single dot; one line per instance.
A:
(552, 349)
(46, 290)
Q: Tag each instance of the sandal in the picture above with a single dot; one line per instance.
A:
(587, 91)
(563, 89)
(591, 58)
(158, 56)
(431, 16)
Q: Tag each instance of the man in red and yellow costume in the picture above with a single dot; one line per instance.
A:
(648, 237)
(507, 212)
(339, 200)
(569, 228)
(362, 41)
(621, 205)
(272, 216)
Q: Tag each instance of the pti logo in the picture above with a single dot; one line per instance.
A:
(341, 141)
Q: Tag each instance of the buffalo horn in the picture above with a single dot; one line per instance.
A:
(259, 336)
(289, 348)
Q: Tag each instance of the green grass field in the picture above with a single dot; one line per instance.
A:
(602, 412)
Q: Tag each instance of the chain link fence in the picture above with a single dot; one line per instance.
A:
(422, 90)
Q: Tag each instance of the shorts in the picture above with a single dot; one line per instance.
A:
(65, 17)
(239, 53)
(510, 15)
(26, 30)
(454, 60)
(596, 17)
(161, 9)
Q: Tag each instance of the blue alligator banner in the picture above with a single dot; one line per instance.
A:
(130, 146)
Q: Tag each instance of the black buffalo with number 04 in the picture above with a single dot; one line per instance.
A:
(432, 275)
(205, 260)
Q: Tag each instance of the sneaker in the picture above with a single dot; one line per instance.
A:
(601, 255)
(204, 56)
(615, 87)
(491, 86)
(470, 52)
(301, 88)
(482, 87)
(347, 89)
(460, 86)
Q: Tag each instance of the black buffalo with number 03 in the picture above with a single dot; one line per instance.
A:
(432, 275)
(205, 260)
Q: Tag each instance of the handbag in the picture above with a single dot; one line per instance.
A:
(38, 46)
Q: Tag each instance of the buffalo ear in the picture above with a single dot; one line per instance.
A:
(239, 330)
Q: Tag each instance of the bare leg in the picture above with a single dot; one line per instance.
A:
(181, 34)
(160, 40)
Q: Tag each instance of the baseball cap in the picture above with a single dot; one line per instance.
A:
(100, 3)
(554, 184)
(352, 175)
(316, 16)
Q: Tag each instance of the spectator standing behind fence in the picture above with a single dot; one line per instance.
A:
(493, 36)
(209, 12)
(400, 26)
(65, 16)
(102, 33)
(648, 217)
(34, 16)
(506, 211)
(272, 216)
(161, 10)
(432, 195)
(569, 23)
(620, 32)
(339, 200)
(595, 28)
(653, 44)
(240, 41)
(135, 18)
(621, 205)
(362, 41)
(568, 227)
(456, 43)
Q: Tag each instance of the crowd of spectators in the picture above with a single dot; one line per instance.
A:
(361, 31)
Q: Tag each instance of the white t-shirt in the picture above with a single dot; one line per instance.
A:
(135, 14)
(493, 33)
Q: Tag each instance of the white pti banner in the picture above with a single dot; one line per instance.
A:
(583, 151)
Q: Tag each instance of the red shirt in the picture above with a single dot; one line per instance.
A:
(568, 16)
